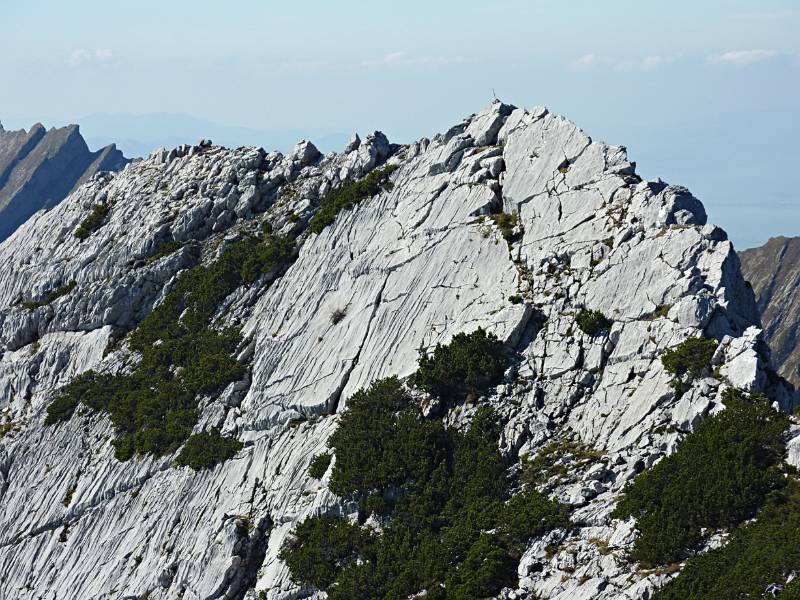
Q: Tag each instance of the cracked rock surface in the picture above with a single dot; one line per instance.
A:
(404, 270)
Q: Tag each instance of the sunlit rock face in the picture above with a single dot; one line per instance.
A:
(403, 271)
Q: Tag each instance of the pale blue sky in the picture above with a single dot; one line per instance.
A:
(705, 94)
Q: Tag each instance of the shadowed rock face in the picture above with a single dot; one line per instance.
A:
(39, 168)
(408, 268)
(774, 272)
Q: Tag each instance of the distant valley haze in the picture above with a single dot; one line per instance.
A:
(702, 94)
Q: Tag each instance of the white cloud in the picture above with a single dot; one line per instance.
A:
(400, 60)
(742, 58)
(90, 57)
(587, 61)
(648, 63)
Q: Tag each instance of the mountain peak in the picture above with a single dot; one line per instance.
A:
(510, 288)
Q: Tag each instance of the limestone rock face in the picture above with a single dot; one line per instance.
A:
(407, 269)
(39, 168)
(774, 272)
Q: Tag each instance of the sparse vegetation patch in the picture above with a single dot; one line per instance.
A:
(507, 224)
(51, 296)
(348, 194)
(93, 222)
(154, 408)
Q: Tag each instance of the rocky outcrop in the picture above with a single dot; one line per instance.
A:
(774, 272)
(39, 168)
(403, 271)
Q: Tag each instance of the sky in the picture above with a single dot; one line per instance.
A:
(703, 94)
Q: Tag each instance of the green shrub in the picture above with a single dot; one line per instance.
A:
(718, 477)
(165, 249)
(487, 568)
(204, 450)
(515, 299)
(267, 256)
(93, 222)
(320, 547)
(691, 357)
(153, 409)
(319, 465)
(506, 222)
(592, 322)
(51, 296)
(469, 365)
(452, 525)
(529, 514)
(380, 443)
(756, 555)
(348, 194)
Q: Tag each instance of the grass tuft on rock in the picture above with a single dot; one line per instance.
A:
(51, 296)
(93, 222)
(507, 224)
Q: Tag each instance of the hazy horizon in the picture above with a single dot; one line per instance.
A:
(703, 96)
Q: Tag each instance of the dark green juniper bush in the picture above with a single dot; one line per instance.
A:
(470, 365)
(592, 322)
(154, 408)
(455, 521)
(691, 357)
(348, 194)
(204, 450)
(688, 361)
(720, 475)
(758, 554)
(319, 465)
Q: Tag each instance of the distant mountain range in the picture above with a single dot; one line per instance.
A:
(139, 135)
(40, 167)
(774, 272)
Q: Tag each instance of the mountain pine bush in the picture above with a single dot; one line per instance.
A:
(154, 408)
(719, 476)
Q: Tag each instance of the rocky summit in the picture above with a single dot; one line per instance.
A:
(182, 340)
(40, 167)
